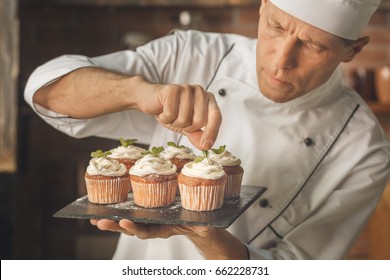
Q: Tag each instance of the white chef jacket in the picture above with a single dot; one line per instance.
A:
(323, 157)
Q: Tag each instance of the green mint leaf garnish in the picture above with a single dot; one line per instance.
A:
(173, 144)
(220, 150)
(155, 151)
(199, 159)
(202, 157)
(99, 154)
(127, 142)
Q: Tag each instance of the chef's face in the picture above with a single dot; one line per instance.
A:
(294, 57)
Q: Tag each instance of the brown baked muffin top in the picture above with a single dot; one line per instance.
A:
(193, 182)
(237, 169)
(153, 178)
(102, 177)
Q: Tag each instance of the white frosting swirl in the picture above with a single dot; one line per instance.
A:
(225, 158)
(206, 169)
(171, 152)
(130, 152)
(106, 167)
(150, 164)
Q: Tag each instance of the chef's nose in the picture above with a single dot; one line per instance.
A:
(286, 55)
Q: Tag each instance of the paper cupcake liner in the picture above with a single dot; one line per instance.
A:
(233, 185)
(107, 191)
(202, 198)
(130, 187)
(152, 195)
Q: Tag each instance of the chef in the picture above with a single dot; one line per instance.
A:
(277, 102)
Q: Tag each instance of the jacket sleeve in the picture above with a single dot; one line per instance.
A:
(170, 59)
(126, 123)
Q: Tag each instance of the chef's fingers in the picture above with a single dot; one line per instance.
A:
(206, 123)
(169, 100)
(199, 115)
(177, 105)
(194, 137)
(109, 225)
(190, 110)
(204, 138)
(185, 106)
(106, 224)
(146, 231)
(149, 231)
(214, 120)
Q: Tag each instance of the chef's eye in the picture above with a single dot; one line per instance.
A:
(276, 27)
(313, 47)
(273, 29)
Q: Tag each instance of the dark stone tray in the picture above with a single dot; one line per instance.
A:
(172, 215)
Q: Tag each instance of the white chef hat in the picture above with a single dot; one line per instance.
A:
(344, 18)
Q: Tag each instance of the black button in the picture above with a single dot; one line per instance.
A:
(264, 203)
(222, 92)
(308, 141)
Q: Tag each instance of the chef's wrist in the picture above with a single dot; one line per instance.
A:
(136, 90)
(220, 244)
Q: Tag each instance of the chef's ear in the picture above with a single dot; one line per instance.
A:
(355, 47)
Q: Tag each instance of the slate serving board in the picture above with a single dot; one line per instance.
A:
(172, 215)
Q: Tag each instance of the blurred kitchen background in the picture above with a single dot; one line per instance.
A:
(41, 169)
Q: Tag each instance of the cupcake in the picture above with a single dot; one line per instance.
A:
(127, 153)
(178, 155)
(154, 180)
(106, 179)
(202, 184)
(233, 169)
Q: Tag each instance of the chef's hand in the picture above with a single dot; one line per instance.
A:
(187, 109)
(148, 231)
(213, 243)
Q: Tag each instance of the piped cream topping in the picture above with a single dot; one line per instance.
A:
(225, 158)
(151, 164)
(130, 152)
(206, 169)
(106, 167)
(171, 152)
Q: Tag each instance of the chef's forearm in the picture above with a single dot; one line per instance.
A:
(87, 93)
(220, 245)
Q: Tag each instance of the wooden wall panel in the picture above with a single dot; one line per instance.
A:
(9, 68)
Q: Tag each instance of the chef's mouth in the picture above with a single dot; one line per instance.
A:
(278, 80)
(271, 79)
